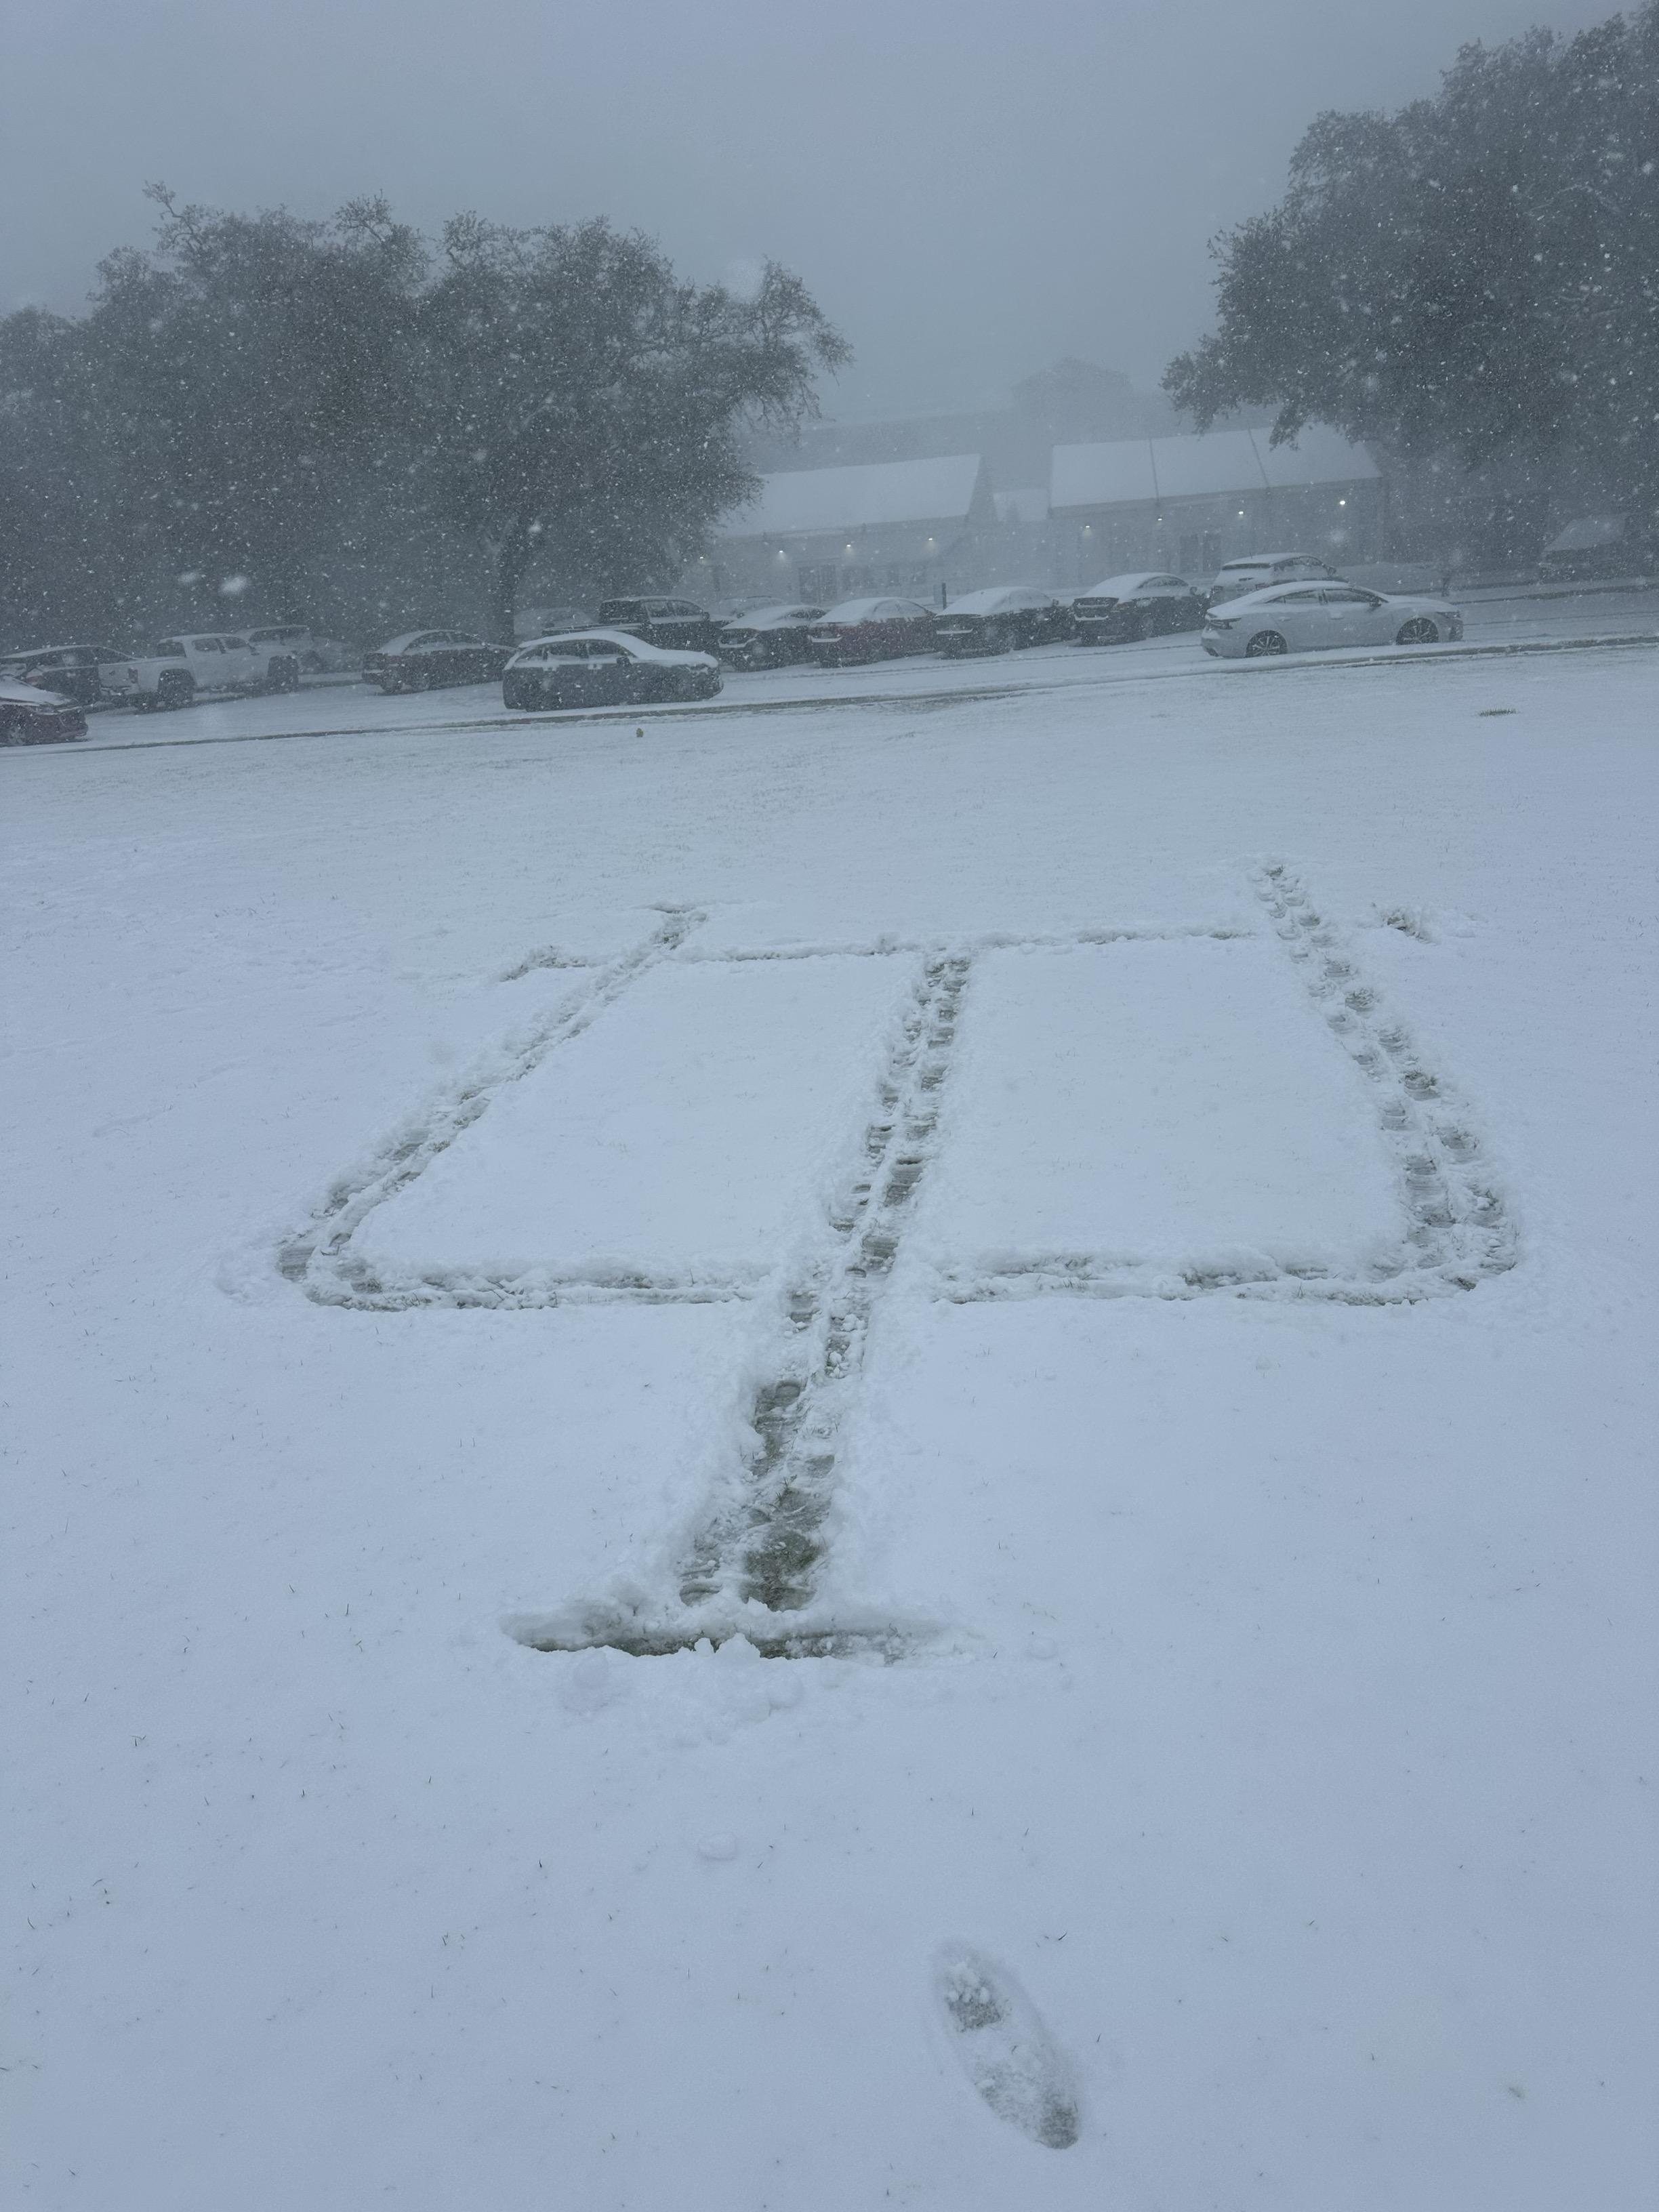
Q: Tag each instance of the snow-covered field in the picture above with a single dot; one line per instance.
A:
(1096, 1243)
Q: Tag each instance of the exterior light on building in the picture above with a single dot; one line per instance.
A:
(1342, 502)
(1088, 530)
(1241, 514)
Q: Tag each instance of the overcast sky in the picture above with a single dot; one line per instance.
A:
(971, 189)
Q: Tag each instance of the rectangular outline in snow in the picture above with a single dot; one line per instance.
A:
(761, 1529)
(1458, 1235)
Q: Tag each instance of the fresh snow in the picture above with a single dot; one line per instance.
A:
(1155, 1099)
(654, 1144)
(1124, 1192)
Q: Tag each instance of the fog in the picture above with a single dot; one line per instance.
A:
(970, 190)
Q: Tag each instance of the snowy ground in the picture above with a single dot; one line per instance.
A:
(1117, 1219)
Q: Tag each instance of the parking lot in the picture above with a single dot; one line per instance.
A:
(1529, 619)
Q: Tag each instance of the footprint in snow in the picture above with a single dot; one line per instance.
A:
(1003, 2048)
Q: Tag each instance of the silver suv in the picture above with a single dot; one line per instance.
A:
(1258, 570)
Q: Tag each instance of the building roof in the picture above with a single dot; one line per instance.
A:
(1131, 469)
(800, 502)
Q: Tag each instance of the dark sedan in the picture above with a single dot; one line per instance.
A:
(423, 660)
(768, 637)
(29, 716)
(604, 668)
(74, 671)
(1144, 603)
(871, 630)
(1001, 619)
(681, 625)
(1601, 545)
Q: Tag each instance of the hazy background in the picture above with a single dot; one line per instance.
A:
(970, 190)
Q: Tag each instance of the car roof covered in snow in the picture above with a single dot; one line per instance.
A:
(1263, 561)
(30, 695)
(851, 610)
(1120, 587)
(860, 610)
(1589, 531)
(775, 618)
(433, 631)
(996, 599)
(1270, 594)
(637, 649)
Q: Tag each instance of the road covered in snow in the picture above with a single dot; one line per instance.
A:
(798, 1459)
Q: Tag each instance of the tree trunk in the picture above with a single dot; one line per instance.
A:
(512, 559)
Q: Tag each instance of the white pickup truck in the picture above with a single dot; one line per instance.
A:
(180, 668)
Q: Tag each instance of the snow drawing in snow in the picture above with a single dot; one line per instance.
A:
(657, 1170)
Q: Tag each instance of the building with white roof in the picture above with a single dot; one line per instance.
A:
(1190, 504)
(827, 534)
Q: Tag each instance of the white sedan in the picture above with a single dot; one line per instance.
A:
(1308, 617)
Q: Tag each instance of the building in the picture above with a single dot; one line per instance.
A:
(826, 534)
(1071, 401)
(1190, 504)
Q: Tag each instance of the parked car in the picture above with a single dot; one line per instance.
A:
(30, 716)
(1000, 620)
(680, 625)
(604, 668)
(1314, 617)
(311, 655)
(1257, 571)
(1600, 545)
(424, 660)
(531, 623)
(768, 637)
(871, 630)
(1145, 602)
(176, 669)
(90, 675)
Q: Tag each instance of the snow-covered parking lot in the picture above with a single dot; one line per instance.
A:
(805, 1459)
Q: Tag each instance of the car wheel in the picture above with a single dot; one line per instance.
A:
(174, 689)
(1265, 642)
(1418, 631)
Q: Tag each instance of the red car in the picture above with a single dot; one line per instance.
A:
(871, 630)
(29, 716)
